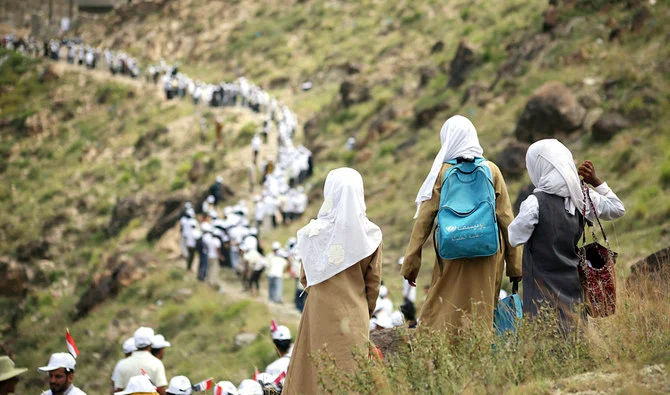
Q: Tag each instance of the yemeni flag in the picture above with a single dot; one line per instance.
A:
(204, 385)
(71, 345)
(273, 326)
(256, 373)
(279, 378)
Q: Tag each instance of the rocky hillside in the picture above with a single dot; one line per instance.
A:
(90, 164)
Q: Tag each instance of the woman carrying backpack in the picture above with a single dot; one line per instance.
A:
(550, 224)
(464, 286)
(341, 252)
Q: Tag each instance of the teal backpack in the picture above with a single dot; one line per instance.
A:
(467, 226)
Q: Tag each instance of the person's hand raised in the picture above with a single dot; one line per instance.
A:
(588, 173)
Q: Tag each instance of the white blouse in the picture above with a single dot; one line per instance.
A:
(607, 204)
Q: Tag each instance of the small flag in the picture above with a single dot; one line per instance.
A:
(256, 373)
(279, 378)
(204, 385)
(273, 326)
(71, 345)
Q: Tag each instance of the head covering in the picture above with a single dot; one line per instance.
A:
(282, 333)
(180, 385)
(190, 212)
(249, 387)
(138, 384)
(459, 140)
(276, 245)
(225, 388)
(342, 234)
(143, 336)
(159, 341)
(264, 379)
(206, 227)
(397, 318)
(57, 361)
(219, 179)
(8, 370)
(211, 199)
(552, 170)
(383, 291)
(129, 345)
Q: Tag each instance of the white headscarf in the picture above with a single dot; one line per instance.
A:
(342, 234)
(552, 170)
(459, 140)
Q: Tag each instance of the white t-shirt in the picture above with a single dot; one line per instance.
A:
(192, 233)
(255, 259)
(409, 291)
(276, 265)
(278, 366)
(129, 367)
(213, 244)
(70, 391)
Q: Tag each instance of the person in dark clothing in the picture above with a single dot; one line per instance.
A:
(216, 189)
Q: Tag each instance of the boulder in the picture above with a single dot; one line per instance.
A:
(640, 19)
(51, 72)
(352, 68)
(33, 250)
(382, 123)
(609, 124)
(549, 19)
(125, 210)
(523, 195)
(426, 73)
(589, 100)
(657, 264)
(390, 341)
(279, 82)
(353, 91)
(425, 114)
(552, 110)
(197, 171)
(148, 142)
(519, 53)
(437, 47)
(512, 159)
(244, 339)
(120, 271)
(461, 65)
(13, 278)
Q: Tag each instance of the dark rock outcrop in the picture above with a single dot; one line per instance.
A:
(425, 115)
(13, 278)
(437, 47)
(640, 19)
(656, 264)
(523, 194)
(551, 111)
(512, 159)
(125, 210)
(390, 341)
(120, 271)
(549, 19)
(148, 142)
(197, 170)
(353, 91)
(426, 73)
(608, 125)
(461, 65)
(32, 250)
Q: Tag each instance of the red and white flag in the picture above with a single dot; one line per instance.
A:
(273, 326)
(71, 345)
(204, 385)
(256, 373)
(279, 378)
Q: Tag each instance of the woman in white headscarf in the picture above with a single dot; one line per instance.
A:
(341, 252)
(468, 286)
(550, 224)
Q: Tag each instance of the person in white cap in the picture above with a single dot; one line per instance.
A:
(128, 349)
(158, 346)
(208, 204)
(225, 388)
(384, 303)
(140, 385)
(179, 385)
(141, 359)
(250, 387)
(61, 374)
(282, 340)
(212, 246)
(277, 266)
(9, 375)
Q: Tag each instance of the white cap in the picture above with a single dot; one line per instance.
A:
(383, 291)
(397, 318)
(180, 385)
(253, 231)
(211, 199)
(206, 227)
(143, 336)
(401, 261)
(250, 387)
(188, 205)
(159, 341)
(384, 321)
(225, 388)
(129, 345)
(190, 212)
(276, 245)
(219, 179)
(57, 361)
(282, 333)
(265, 378)
(138, 384)
(213, 214)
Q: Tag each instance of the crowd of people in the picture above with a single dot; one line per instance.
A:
(336, 258)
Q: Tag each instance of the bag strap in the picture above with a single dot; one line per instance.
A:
(587, 197)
